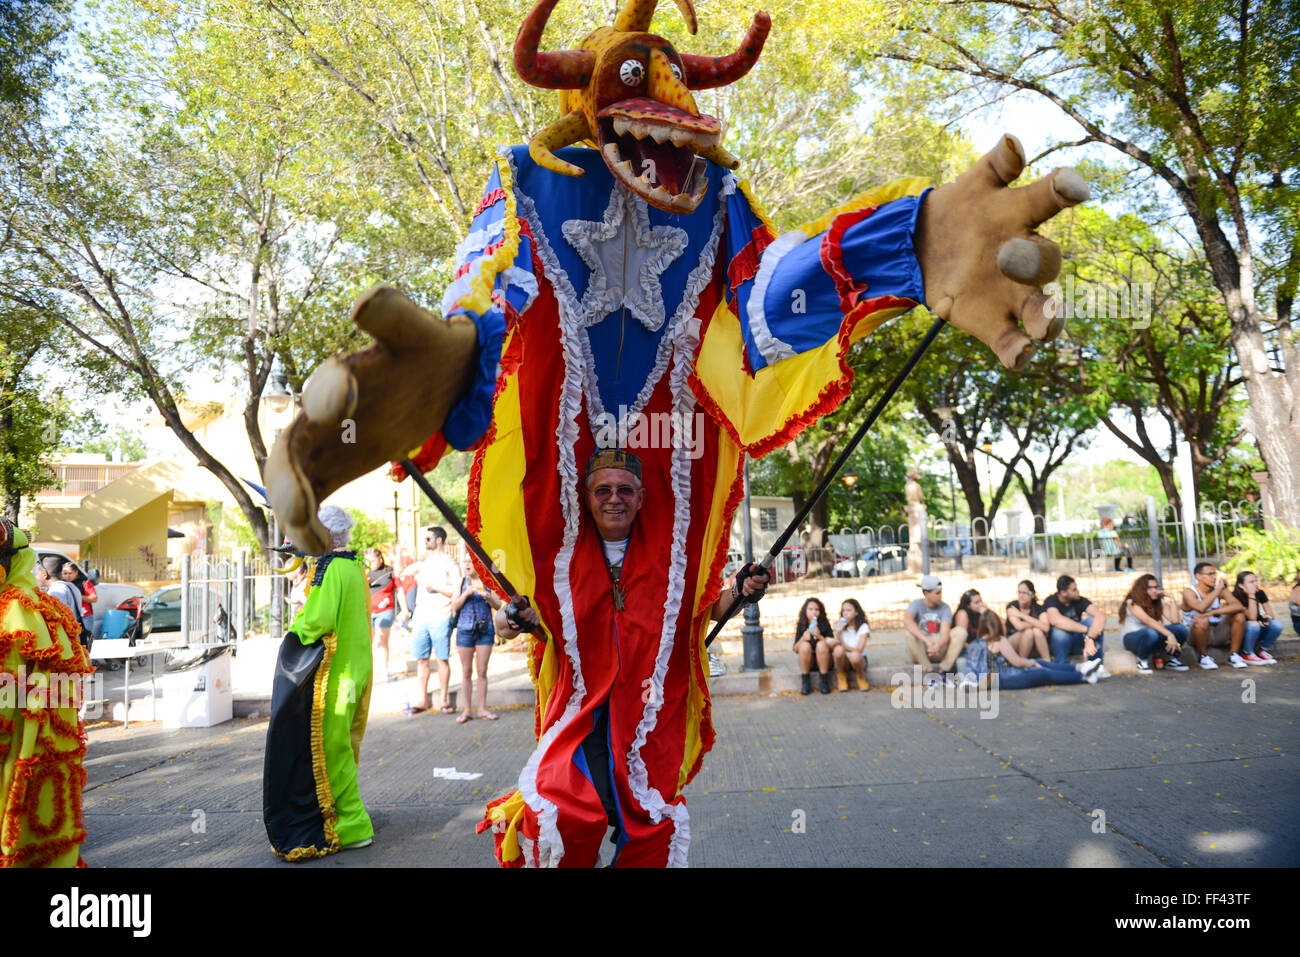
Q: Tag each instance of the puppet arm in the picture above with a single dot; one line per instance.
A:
(320, 615)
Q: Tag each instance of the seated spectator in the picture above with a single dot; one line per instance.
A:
(1027, 622)
(849, 647)
(967, 616)
(1076, 624)
(1294, 604)
(991, 653)
(1262, 629)
(1143, 617)
(1112, 546)
(812, 637)
(932, 642)
(79, 580)
(1211, 612)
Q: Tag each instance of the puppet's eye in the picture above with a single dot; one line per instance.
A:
(631, 72)
(677, 71)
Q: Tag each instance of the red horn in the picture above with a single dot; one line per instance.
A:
(563, 70)
(706, 72)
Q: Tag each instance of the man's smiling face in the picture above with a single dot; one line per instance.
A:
(614, 496)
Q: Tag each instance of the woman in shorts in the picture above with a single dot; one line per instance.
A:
(812, 640)
(382, 606)
(849, 648)
(473, 609)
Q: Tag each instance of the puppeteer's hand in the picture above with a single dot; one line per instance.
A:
(982, 263)
(370, 407)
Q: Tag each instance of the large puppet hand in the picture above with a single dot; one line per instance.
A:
(368, 407)
(983, 264)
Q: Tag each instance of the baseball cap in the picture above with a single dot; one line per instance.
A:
(930, 582)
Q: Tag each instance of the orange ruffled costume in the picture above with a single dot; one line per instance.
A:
(42, 737)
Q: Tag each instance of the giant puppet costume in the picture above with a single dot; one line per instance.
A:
(42, 737)
(311, 800)
(609, 290)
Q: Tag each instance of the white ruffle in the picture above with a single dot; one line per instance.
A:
(477, 241)
(769, 346)
(685, 342)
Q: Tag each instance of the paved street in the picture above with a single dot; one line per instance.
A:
(1185, 772)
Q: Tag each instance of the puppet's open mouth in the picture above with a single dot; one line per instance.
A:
(651, 148)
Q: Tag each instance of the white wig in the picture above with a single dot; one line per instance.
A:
(338, 523)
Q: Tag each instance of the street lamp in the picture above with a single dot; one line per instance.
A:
(850, 481)
(987, 449)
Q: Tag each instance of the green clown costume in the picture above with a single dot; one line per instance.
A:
(321, 698)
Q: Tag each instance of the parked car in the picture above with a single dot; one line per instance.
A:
(876, 560)
(164, 606)
(107, 596)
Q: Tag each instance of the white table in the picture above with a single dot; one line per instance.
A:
(107, 649)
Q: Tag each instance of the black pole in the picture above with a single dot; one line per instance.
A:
(838, 464)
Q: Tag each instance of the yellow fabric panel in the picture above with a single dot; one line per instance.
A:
(714, 532)
(896, 189)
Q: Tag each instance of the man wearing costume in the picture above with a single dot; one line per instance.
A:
(603, 292)
(42, 737)
(311, 800)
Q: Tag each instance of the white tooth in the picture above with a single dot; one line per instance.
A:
(621, 124)
(680, 137)
(660, 134)
(661, 195)
(625, 168)
(611, 152)
(644, 178)
(639, 130)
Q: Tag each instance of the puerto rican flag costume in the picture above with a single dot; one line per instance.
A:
(593, 307)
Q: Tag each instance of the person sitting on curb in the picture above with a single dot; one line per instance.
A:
(1076, 624)
(969, 609)
(1262, 629)
(849, 648)
(932, 642)
(814, 638)
(1210, 611)
(1027, 622)
(1142, 617)
(992, 653)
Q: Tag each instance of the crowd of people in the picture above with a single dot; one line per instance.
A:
(433, 598)
(1032, 642)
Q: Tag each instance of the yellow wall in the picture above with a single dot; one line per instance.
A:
(146, 527)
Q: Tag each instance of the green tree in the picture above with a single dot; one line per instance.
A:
(1202, 98)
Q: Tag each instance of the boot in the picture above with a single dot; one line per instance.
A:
(843, 680)
(825, 683)
(863, 684)
(805, 683)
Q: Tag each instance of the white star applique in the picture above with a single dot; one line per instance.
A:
(626, 257)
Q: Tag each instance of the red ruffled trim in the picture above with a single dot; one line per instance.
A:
(744, 265)
(832, 257)
(29, 774)
(490, 198)
(831, 395)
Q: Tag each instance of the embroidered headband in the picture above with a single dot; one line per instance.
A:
(613, 459)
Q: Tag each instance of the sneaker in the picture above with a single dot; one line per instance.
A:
(717, 666)
(805, 683)
(932, 679)
(1176, 664)
(1101, 670)
(1252, 659)
(1265, 657)
(1237, 661)
(1208, 663)
(1090, 670)
(1144, 668)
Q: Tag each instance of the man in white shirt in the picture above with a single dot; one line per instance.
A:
(432, 621)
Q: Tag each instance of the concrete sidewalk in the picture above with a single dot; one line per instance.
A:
(1172, 770)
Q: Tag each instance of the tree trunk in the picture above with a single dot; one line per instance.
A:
(1274, 417)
